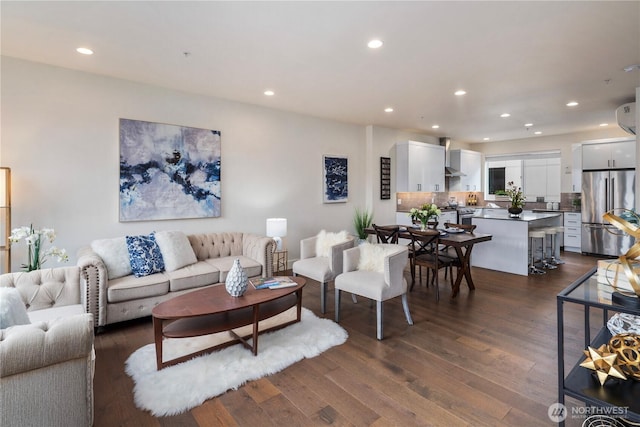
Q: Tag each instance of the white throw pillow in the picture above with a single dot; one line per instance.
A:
(372, 257)
(326, 240)
(115, 255)
(176, 249)
(12, 309)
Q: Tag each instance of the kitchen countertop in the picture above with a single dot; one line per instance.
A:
(555, 210)
(447, 209)
(524, 217)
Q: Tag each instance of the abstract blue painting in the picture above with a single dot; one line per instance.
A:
(335, 178)
(168, 171)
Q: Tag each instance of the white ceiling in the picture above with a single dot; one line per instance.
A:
(525, 58)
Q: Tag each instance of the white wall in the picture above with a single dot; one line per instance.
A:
(60, 138)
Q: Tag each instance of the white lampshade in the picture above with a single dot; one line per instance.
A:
(277, 228)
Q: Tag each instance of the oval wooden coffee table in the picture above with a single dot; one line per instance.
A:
(213, 310)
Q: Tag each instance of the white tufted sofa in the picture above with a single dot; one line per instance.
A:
(46, 367)
(130, 297)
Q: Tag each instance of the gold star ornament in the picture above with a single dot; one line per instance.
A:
(603, 363)
(626, 223)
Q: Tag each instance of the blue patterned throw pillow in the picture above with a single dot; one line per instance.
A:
(144, 255)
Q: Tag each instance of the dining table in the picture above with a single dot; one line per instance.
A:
(462, 242)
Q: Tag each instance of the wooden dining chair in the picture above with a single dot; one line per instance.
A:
(423, 252)
(386, 233)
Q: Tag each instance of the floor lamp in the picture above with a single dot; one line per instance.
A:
(5, 218)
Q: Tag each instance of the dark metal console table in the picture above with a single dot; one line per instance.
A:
(580, 383)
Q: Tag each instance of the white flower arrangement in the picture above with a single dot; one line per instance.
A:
(34, 239)
(425, 213)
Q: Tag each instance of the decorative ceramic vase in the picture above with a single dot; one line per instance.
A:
(236, 282)
(515, 212)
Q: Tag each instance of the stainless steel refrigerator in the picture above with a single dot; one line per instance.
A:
(603, 191)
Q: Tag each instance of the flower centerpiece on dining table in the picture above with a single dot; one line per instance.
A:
(35, 239)
(424, 214)
(515, 197)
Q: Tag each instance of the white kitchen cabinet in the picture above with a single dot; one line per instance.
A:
(513, 172)
(447, 217)
(470, 164)
(403, 218)
(552, 193)
(572, 234)
(609, 155)
(576, 168)
(542, 179)
(535, 178)
(419, 167)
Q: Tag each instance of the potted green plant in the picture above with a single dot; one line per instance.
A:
(516, 198)
(362, 220)
(576, 203)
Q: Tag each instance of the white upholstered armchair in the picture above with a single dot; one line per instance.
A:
(375, 272)
(46, 360)
(321, 259)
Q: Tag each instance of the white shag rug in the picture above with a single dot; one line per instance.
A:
(178, 388)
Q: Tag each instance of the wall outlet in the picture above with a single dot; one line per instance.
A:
(399, 201)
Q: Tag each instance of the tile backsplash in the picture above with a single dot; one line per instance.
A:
(406, 201)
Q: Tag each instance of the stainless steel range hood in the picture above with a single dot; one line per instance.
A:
(448, 170)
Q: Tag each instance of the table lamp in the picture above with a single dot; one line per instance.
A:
(277, 228)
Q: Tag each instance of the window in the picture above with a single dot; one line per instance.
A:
(496, 179)
(537, 173)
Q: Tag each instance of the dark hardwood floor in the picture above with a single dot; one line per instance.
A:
(486, 358)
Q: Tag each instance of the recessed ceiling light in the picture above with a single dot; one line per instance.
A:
(388, 110)
(538, 132)
(505, 115)
(84, 51)
(435, 127)
(460, 92)
(528, 125)
(269, 92)
(572, 104)
(486, 139)
(604, 124)
(375, 44)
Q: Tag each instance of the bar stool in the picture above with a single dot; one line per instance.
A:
(549, 262)
(554, 241)
(535, 234)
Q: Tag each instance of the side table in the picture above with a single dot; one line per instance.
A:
(280, 261)
(618, 398)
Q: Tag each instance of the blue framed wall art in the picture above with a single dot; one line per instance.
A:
(168, 171)
(335, 179)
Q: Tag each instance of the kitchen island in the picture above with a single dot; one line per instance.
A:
(508, 250)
